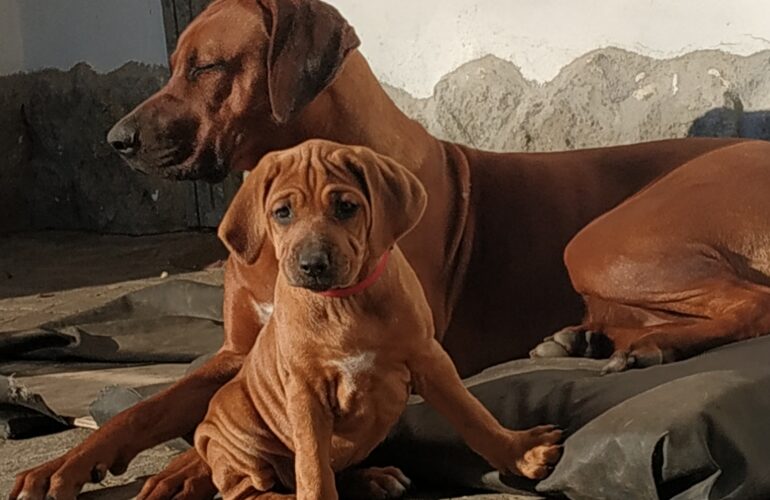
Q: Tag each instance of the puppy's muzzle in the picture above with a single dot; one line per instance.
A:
(314, 264)
(313, 267)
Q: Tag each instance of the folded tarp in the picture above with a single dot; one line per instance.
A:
(696, 429)
(24, 414)
(173, 322)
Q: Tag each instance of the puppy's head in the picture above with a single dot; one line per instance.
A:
(329, 210)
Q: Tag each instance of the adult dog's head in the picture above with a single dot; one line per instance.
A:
(330, 211)
(241, 71)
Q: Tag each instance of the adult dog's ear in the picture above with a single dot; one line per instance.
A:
(396, 196)
(244, 227)
(309, 41)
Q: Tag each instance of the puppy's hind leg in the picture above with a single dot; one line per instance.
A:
(235, 484)
(237, 475)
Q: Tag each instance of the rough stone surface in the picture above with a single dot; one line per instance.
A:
(58, 172)
(608, 96)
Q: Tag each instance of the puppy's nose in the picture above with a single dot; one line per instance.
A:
(315, 263)
(124, 137)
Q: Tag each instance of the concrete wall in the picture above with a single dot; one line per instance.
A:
(410, 44)
(525, 75)
(57, 171)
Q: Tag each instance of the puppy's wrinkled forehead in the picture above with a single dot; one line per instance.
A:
(316, 165)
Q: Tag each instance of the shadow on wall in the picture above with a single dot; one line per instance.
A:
(732, 122)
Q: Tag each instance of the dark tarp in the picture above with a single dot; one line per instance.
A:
(689, 430)
(173, 322)
(696, 429)
(23, 414)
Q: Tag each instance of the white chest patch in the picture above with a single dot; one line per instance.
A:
(263, 309)
(351, 366)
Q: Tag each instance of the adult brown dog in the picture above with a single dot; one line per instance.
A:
(252, 76)
(351, 332)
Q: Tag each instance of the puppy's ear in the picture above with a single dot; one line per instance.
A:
(396, 197)
(309, 41)
(244, 227)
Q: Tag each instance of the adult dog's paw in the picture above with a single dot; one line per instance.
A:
(574, 342)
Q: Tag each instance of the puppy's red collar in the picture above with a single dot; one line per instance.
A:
(341, 293)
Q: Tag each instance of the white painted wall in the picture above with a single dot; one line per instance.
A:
(410, 43)
(61, 33)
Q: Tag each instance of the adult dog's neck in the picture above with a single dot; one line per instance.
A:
(356, 110)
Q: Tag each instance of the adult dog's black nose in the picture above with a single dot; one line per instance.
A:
(314, 263)
(124, 137)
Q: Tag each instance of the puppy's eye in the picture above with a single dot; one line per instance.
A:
(345, 209)
(282, 214)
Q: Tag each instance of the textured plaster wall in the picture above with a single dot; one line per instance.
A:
(56, 170)
(412, 44)
(608, 96)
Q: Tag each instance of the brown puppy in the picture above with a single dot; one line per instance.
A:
(351, 332)
(254, 76)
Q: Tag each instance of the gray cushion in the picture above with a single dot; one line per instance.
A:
(689, 430)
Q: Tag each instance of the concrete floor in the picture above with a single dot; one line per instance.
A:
(20, 455)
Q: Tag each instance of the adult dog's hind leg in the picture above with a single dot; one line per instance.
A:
(722, 312)
(680, 324)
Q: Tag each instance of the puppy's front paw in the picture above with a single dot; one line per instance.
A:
(532, 453)
(373, 483)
